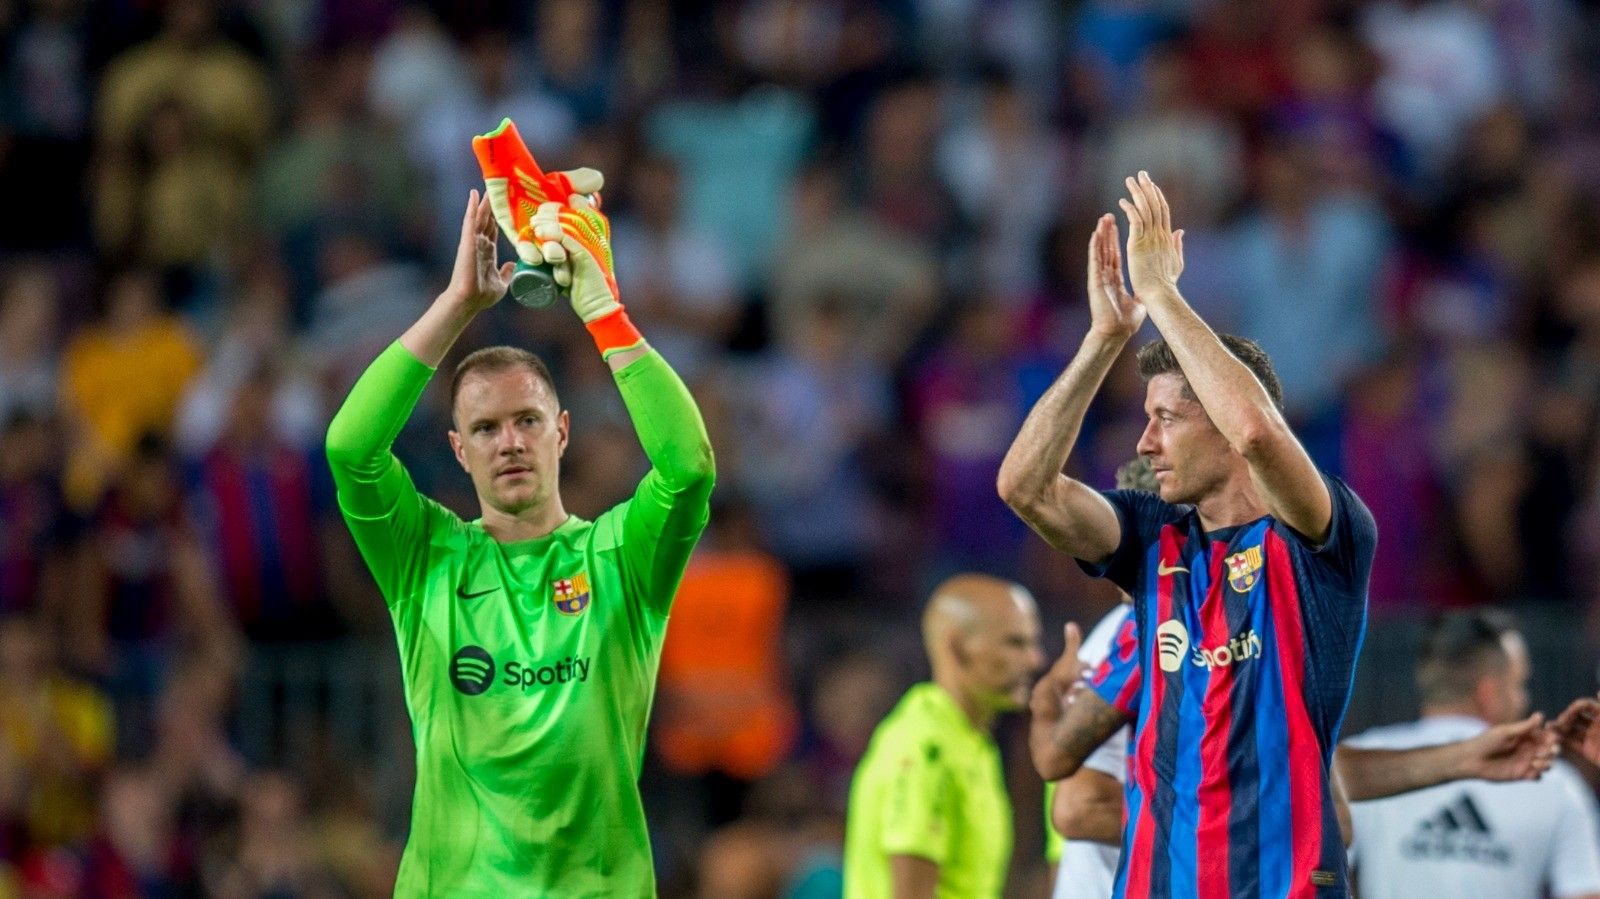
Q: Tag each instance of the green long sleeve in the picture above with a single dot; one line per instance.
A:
(671, 506)
(386, 514)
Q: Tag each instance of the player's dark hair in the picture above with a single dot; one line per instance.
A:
(492, 359)
(1457, 649)
(1157, 358)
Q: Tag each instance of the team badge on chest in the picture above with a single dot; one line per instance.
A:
(571, 594)
(1244, 569)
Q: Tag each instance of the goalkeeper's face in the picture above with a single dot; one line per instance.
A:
(510, 434)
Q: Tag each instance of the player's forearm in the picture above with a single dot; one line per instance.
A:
(431, 337)
(366, 425)
(1060, 747)
(667, 420)
(1032, 466)
(1378, 773)
(1089, 806)
(1232, 396)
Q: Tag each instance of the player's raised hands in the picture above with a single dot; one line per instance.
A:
(1155, 251)
(575, 238)
(1113, 312)
(1521, 750)
(479, 279)
(1578, 729)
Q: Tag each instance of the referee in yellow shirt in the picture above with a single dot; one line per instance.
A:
(929, 815)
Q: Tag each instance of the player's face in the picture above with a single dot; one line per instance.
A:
(1509, 698)
(510, 436)
(1189, 456)
(1005, 655)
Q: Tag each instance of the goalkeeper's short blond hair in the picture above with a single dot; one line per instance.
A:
(1136, 474)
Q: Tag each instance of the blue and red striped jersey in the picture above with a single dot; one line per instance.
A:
(1236, 677)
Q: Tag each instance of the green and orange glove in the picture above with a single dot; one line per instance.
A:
(515, 187)
(575, 238)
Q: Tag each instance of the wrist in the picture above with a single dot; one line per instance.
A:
(1156, 292)
(1105, 342)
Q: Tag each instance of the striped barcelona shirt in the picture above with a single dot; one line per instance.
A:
(1252, 633)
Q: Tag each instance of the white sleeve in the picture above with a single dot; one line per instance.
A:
(1111, 757)
(1575, 861)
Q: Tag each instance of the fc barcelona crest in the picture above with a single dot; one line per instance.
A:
(1244, 569)
(571, 594)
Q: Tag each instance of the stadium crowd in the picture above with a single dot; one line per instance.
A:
(855, 228)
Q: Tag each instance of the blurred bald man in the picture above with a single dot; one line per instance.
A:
(929, 815)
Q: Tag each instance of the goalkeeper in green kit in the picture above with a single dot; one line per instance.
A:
(529, 637)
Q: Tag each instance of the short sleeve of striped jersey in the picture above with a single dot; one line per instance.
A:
(1118, 679)
(1141, 515)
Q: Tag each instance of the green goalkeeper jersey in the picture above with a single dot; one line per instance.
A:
(529, 667)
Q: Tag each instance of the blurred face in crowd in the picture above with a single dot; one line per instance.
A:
(1189, 456)
(510, 434)
(1502, 693)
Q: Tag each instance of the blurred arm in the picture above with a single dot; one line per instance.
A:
(914, 877)
(1089, 806)
(1519, 751)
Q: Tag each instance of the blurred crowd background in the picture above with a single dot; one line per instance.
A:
(858, 230)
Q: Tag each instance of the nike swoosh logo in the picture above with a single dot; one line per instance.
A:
(1162, 570)
(461, 593)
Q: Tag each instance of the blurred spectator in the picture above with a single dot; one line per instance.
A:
(30, 305)
(737, 158)
(1441, 70)
(256, 336)
(336, 168)
(189, 64)
(56, 737)
(897, 176)
(1325, 109)
(967, 400)
(261, 501)
(122, 378)
(368, 299)
(138, 850)
(441, 141)
(1006, 171)
(415, 68)
(1308, 263)
(33, 565)
(723, 709)
(272, 852)
(143, 591)
(45, 93)
(677, 276)
(569, 63)
(169, 200)
(1184, 146)
(811, 412)
(884, 283)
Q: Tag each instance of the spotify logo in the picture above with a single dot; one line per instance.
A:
(472, 670)
(1172, 640)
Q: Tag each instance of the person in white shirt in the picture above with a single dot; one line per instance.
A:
(1472, 838)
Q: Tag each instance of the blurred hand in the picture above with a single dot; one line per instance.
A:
(1578, 729)
(478, 279)
(1055, 689)
(1113, 312)
(1155, 251)
(1522, 750)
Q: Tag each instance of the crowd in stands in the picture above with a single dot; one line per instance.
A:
(856, 228)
